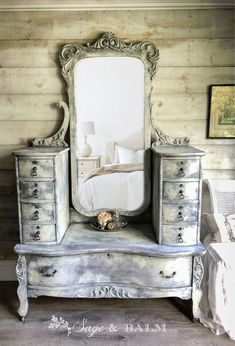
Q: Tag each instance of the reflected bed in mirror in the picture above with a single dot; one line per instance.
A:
(109, 90)
(109, 103)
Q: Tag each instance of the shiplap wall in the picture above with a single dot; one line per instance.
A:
(196, 50)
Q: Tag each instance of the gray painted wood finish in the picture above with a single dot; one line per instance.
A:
(109, 268)
(42, 184)
(177, 204)
(81, 238)
(94, 264)
(176, 194)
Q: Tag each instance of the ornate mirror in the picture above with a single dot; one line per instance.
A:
(109, 87)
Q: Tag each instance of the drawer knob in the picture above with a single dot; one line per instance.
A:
(36, 215)
(181, 194)
(181, 172)
(34, 171)
(47, 273)
(167, 276)
(166, 195)
(179, 238)
(35, 193)
(180, 216)
(37, 235)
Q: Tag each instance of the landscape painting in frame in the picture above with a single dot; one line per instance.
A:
(222, 111)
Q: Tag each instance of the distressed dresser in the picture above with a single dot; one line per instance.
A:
(92, 264)
(43, 199)
(158, 258)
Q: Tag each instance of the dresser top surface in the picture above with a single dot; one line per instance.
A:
(170, 150)
(81, 238)
(88, 158)
(40, 151)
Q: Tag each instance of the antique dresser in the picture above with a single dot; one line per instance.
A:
(62, 252)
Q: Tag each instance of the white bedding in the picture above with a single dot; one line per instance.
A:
(218, 285)
(113, 191)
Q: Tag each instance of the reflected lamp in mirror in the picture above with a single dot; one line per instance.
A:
(87, 128)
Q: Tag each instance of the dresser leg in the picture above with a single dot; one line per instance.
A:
(198, 272)
(22, 288)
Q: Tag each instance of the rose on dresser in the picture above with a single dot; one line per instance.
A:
(103, 218)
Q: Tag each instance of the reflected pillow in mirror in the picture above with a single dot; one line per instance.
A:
(130, 156)
(221, 227)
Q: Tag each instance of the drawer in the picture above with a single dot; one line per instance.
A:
(37, 190)
(30, 168)
(87, 165)
(38, 233)
(179, 235)
(83, 173)
(179, 212)
(181, 169)
(102, 268)
(180, 191)
(38, 212)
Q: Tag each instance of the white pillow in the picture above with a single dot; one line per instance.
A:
(130, 156)
(221, 227)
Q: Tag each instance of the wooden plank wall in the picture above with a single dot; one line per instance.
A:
(196, 50)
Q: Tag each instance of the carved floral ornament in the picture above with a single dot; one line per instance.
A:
(198, 271)
(109, 44)
(21, 269)
(109, 292)
(108, 41)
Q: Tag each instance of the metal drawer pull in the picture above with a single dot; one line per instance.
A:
(179, 238)
(181, 194)
(36, 215)
(34, 171)
(181, 172)
(35, 193)
(167, 276)
(47, 274)
(37, 235)
(180, 216)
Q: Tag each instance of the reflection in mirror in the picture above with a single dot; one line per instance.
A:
(110, 143)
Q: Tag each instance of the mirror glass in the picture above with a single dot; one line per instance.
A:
(110, 132)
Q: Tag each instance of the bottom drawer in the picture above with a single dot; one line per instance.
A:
(179, 235)
(111, 268)
(38, 233)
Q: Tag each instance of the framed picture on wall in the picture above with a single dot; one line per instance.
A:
(222, 111)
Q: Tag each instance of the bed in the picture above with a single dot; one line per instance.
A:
(118, 186)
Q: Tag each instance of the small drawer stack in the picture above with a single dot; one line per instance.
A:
(177, 195)
(43, 199)
(87, 164)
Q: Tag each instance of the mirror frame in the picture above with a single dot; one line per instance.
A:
(108, 45)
